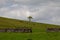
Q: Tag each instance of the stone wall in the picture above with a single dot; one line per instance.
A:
(22, 29)
(53, 29)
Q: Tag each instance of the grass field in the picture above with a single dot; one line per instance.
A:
(39, 30)
(34, 36)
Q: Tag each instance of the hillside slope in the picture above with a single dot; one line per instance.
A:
(39, 30)
(13, 23)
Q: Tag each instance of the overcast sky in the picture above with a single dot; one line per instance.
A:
(45, 11)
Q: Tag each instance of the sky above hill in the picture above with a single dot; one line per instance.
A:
(45, 11)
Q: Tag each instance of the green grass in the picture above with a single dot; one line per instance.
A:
(34, 36)
(39, 30)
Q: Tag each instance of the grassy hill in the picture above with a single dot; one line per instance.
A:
(39, 30)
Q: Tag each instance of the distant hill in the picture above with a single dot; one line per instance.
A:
(13, 23)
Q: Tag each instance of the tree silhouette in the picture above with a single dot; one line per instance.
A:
(30, 17)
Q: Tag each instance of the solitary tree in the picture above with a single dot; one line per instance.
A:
(30, 17)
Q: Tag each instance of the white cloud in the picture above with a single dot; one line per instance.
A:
(18, 13)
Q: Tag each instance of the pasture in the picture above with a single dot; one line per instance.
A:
(33, 36)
